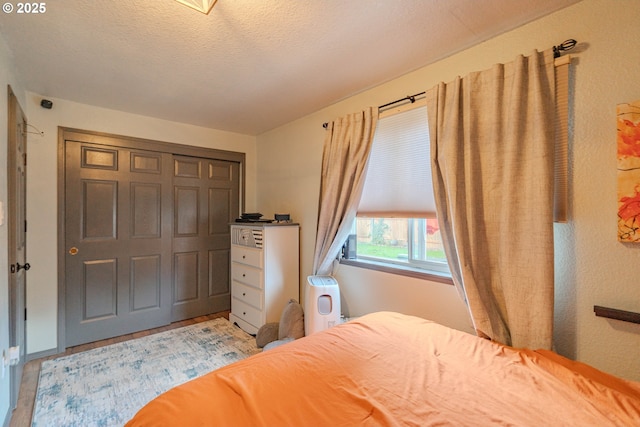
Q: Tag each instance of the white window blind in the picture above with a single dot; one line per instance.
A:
(398, 181)
(561, 191)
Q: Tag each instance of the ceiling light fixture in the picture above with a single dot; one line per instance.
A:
(203, 6)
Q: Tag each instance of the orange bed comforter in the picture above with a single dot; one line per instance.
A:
(390, 369)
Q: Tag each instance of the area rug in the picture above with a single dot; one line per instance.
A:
(106, 386)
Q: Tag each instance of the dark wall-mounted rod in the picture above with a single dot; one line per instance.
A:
(410, 98)
(614, 313)
(557, 51)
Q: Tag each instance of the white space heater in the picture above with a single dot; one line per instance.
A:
(321, 304)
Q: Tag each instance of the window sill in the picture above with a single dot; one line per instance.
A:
(399, 270)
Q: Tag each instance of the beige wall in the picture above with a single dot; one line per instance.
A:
(592, 267)
(42, 286)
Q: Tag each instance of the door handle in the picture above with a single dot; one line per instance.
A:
(17, 267)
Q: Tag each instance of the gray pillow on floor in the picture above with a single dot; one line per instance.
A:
(291, 321)
(266, 334)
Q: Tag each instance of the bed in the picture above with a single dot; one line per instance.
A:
(386, 369)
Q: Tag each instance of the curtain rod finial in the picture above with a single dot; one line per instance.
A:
(565, 45)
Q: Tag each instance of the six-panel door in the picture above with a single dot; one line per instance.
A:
(147, 238)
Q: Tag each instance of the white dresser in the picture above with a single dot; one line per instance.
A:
(265, 272)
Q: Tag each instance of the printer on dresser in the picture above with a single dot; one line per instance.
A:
(265, 272)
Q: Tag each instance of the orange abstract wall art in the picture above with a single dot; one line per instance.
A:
(628, 118)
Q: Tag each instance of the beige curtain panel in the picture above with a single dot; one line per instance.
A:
(492, 155)
(344, 163)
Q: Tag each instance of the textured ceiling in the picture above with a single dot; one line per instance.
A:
(250, 65)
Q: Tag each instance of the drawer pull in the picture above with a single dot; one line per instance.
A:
(244, 313)
(244, 294)
(244, 256)
(244, 275)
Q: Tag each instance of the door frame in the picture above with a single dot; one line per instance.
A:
(113, 140)
(17, 302)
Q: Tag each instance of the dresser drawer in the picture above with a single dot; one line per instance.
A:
(247, 256)
(247, 275)
(246, 312)
(247, 294)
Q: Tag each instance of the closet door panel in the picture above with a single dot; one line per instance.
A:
(117, 241)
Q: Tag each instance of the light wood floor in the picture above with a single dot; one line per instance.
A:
(21, 416)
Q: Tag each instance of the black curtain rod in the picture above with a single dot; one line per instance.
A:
(557, 51)
(411, 98)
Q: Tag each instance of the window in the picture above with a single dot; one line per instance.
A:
(395, 227)
(401, 242)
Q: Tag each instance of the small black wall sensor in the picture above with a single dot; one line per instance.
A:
(45, 103)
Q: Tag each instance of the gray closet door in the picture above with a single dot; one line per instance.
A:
(118, 214)
(206, 199)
